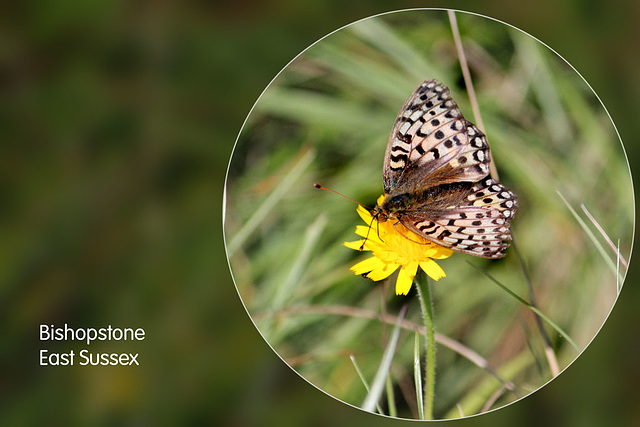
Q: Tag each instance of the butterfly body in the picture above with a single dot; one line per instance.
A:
(439, 197)
(436, 180)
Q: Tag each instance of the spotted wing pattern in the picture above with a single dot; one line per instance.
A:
(433, 147)
(431, 143)
(479, 228)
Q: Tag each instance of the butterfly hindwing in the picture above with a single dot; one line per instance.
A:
(431, 143)
(480, 227)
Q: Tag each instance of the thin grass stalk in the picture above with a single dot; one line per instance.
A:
(391, 400)
(383, 370)
(364, 381)
(590, 234)
(490, 402)
(528, 339)
(531, 307)
(356, 312)
(464, 65)
(383, 305)
(554, 367)
(605, 236)
(424, 295)
(417, 376)
(478, 394)
(311, 236)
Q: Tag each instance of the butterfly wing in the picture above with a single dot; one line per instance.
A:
(480, 227)
(431, 143)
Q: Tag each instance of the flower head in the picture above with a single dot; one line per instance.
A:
(393, 246)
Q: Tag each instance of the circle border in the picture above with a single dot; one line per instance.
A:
(224, 206)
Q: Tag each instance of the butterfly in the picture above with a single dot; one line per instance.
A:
(436, 178)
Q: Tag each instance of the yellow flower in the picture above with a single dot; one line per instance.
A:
(395, 246)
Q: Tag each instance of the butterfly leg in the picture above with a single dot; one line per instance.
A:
(369, 230)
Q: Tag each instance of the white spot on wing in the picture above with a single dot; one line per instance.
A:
(416, 115)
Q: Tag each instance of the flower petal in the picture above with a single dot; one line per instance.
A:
(438, 252)
(432, 269)
(364, 214)
(367, 265)
(405, 278)
(366, 232)
(384, 270)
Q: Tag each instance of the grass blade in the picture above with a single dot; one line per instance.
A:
(417, 375)
(476, 398)
(383, 370)
(464, 65)
(605, 236)
(270, 202)
(548, 350)
(557, 328)
(381, 36)
(364, 381)
(590, 234)
(311, 237)
(391, 401)
(443, 340)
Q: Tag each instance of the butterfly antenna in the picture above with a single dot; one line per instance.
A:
(322, 187)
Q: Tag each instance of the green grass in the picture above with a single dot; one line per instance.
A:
(326, 119)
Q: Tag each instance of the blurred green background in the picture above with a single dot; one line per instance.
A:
(117, 121)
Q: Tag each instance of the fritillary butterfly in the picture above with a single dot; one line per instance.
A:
(436, 178)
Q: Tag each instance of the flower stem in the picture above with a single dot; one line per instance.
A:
(422, 284)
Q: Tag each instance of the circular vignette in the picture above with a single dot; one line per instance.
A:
(326, 117)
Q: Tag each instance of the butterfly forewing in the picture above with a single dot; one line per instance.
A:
(431, 143)
(440, 161)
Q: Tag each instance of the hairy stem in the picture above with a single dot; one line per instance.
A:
(422, 284)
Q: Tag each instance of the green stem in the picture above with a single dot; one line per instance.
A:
(422, 284)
